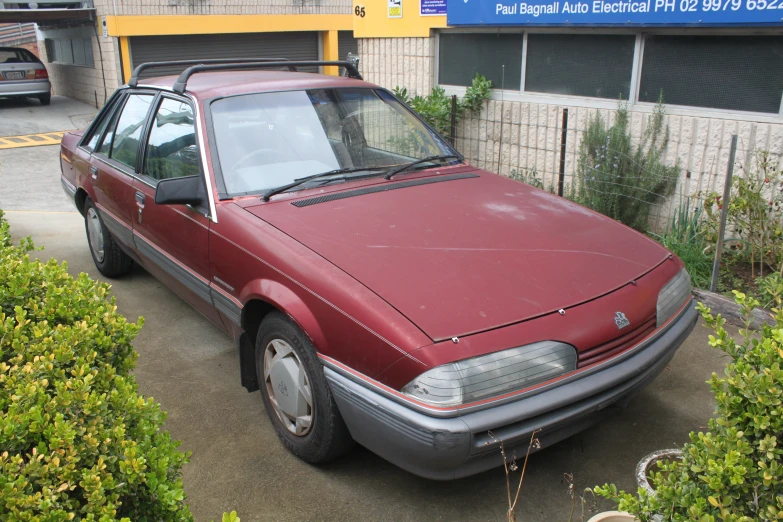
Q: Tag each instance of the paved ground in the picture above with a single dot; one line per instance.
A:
(191, 369)
(30, 176)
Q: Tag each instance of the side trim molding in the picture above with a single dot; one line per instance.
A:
(117, 228)
(228, 307)
(190, 280)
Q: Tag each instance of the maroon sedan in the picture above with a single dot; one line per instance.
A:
(379, 288)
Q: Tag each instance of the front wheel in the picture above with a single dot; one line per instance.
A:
(109, 258)
(296, 395)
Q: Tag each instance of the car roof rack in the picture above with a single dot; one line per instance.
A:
(182, 81)
(134, 80)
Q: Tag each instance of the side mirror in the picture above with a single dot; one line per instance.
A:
(188, 190)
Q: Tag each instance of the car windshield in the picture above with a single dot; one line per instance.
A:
(270, 139)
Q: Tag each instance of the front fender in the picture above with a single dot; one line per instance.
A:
(285, 300)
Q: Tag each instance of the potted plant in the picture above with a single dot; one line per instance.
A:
(732, 472)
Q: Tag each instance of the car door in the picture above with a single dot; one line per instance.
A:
(173, 240)
(113, 166)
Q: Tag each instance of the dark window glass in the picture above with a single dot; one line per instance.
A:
(462, 56)
(743, 73)
(125, 146)
(67, 51)
(105, 145)
(598, 66)
(172, 151)
(88, 57)
(96, 134)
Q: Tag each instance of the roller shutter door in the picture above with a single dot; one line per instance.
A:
(346, 43)
(291, 45)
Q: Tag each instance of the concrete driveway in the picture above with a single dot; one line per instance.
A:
(191, 368)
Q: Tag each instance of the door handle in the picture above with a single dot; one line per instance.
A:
(94, 172)
(140, 203)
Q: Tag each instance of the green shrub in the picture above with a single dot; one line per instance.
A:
(754, 215)
(435, 108)
(621, 179)
(733, 471)
(77, 441)
(685, 236)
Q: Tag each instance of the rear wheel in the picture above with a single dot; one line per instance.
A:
(45, 99)
(109, 258)
(295, 393)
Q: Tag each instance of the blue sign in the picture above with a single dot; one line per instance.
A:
(694, 13)
(435, 7)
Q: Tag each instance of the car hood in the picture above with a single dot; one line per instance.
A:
(467, 255)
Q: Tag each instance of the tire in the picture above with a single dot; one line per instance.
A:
(110, 260)
(45, 99)
(327, 436)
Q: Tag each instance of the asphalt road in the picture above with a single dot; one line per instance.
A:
(191, 368)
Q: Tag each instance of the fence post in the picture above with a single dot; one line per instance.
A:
(723, 214)
(563, 135)
(453, 130)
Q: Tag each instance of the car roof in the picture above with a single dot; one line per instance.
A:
(214, 84)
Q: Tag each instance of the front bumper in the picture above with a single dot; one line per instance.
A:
(450, 448)
(24, 87)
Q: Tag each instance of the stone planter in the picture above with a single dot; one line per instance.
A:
(646, 464)
(612, 516)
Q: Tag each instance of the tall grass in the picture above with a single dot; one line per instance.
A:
(685, 237)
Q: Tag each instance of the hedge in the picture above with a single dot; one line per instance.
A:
(77, 441)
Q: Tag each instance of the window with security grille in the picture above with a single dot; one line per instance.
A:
(592, 65)
(463, 55)
(742, 73)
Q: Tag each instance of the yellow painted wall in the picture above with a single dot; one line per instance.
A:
(215, 24)
(377, 24)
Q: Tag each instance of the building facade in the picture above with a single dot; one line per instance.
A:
(87, 59)
(717, 64)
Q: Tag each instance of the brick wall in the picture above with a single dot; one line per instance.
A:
(514, 135)
(30, 46)
(85, 83)
(222, 7)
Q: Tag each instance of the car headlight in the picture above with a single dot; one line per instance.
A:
(672, 295)
(491, 375)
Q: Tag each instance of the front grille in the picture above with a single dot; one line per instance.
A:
(616, 345)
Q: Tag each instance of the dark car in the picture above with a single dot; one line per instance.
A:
(379, 288)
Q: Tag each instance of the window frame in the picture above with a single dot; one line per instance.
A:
(106, 112)
(144, 140)
(122, 167)
(597, 103)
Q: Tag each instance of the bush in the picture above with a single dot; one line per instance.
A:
(755, 214)
(435, 108)
(733, 471)
(685, 237)
(619, 179)
(77, 441)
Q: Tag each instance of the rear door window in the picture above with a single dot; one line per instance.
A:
(97, 131)
(122, 145)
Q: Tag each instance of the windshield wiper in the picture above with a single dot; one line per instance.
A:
(301, 181)
(423, 160)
